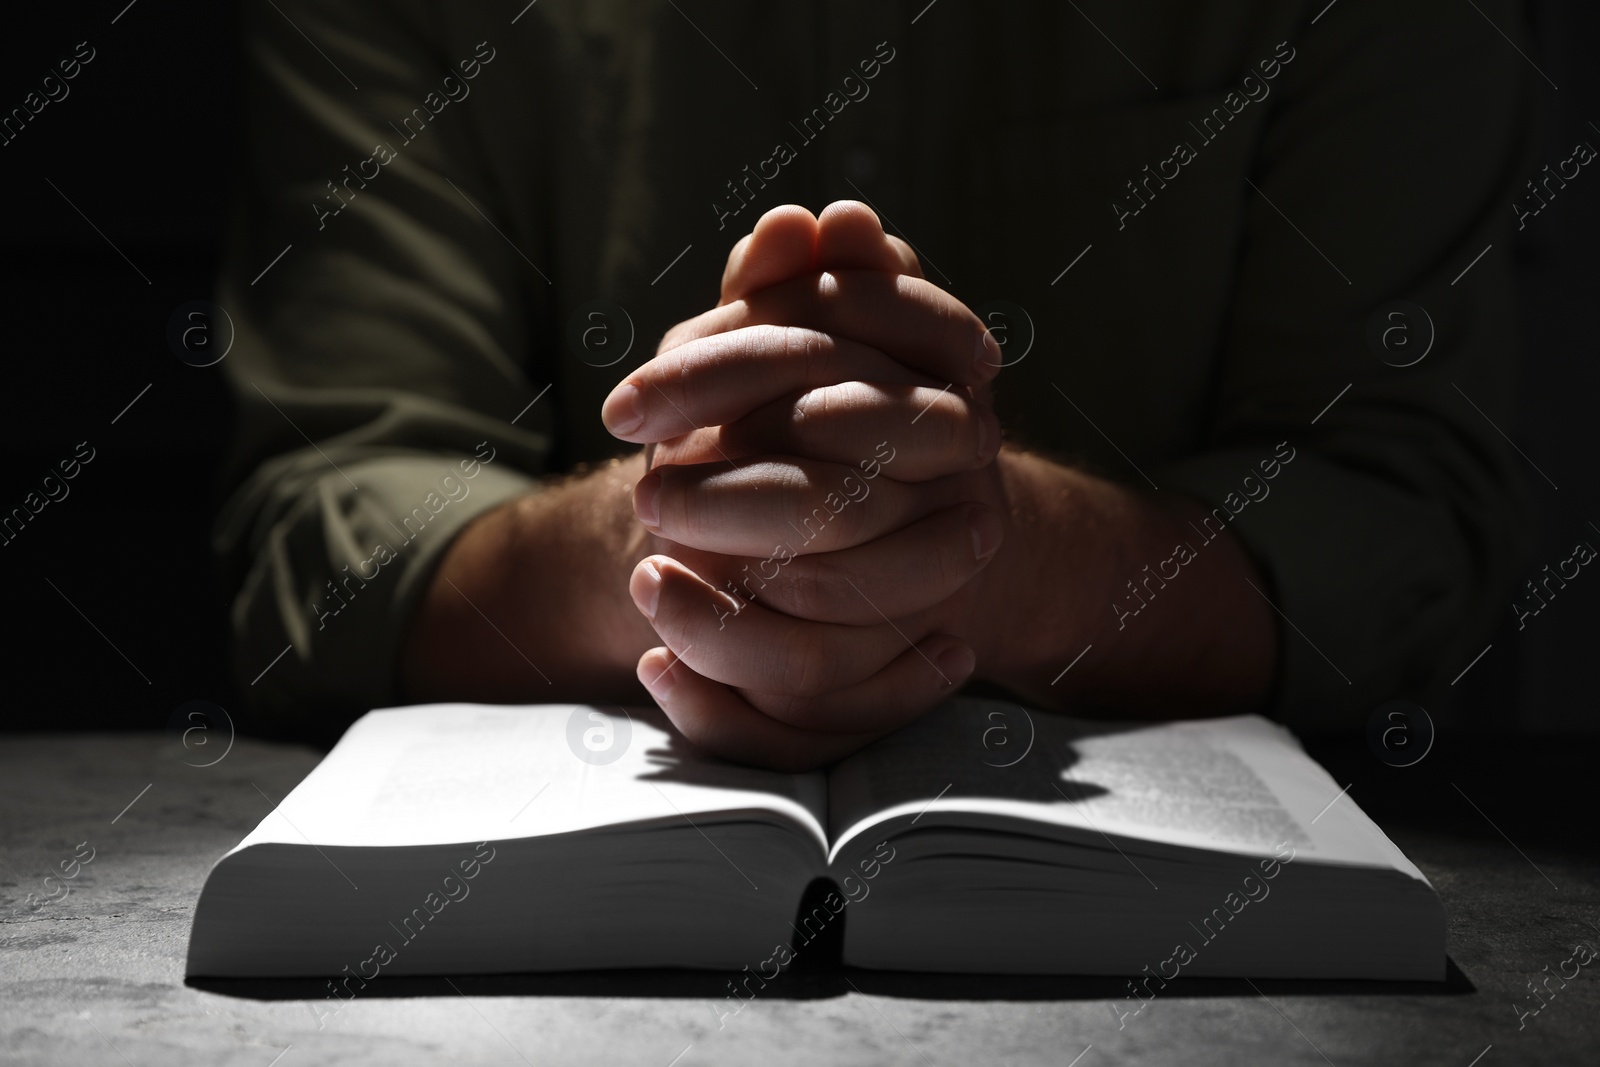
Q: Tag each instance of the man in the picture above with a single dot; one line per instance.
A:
(1192, 514)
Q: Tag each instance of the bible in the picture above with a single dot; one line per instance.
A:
(983, 838)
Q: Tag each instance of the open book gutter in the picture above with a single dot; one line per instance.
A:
(469, 839)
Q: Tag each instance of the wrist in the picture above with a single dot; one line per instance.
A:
(1054, 563)
(530, 601)
(1108, 598)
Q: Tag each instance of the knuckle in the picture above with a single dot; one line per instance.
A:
(806, 407)
(679, 511)
(764, 338)
(962, 330)
(674, 379)
(806, 668)
(713, 351)
(800, 346)
(949, 423)
(853, 524)
(952, 432)
(815, 406)
(678, 614)
(811, 588)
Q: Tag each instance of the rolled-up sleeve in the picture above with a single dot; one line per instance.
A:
(379, 355)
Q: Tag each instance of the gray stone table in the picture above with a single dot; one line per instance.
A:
(1506, 831)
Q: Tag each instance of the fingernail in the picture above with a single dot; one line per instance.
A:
(622, 411)
(659, 680)
(645, 500)
(986, 533)
(989, 357)
(646, 588)
(956, 663)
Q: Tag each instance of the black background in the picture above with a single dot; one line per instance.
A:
(146, 146)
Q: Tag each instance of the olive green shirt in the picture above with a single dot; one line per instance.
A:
(459, 226)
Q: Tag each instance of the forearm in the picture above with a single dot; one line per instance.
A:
(1183, 639)
(530, 603)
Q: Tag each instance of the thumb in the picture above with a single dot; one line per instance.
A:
(850, 237)
(780, 248)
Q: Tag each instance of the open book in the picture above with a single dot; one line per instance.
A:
(983, 838)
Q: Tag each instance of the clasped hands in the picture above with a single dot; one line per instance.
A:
(823, 500)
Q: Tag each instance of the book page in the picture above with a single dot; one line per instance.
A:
(444, 773)
(1239, 784)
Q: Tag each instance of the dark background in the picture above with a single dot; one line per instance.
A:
(146, 145)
